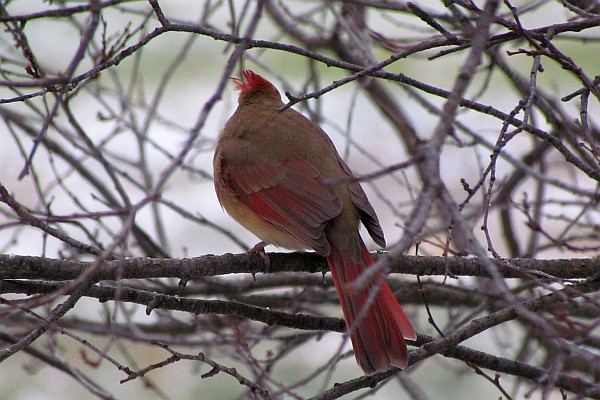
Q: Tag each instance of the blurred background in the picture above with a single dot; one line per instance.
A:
(131, 138)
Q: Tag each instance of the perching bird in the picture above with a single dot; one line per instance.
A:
(271, 169)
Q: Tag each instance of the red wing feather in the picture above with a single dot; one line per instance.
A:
(290, 196)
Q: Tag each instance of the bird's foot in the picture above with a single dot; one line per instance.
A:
(259, 248)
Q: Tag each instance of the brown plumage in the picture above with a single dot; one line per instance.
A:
(270, 170)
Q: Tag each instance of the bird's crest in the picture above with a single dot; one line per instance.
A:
(251, 82)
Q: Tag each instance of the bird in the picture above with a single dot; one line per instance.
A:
(273, 173)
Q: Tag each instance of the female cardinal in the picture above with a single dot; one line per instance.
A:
(271, 169)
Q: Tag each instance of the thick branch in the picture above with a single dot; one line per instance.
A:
(30, 267)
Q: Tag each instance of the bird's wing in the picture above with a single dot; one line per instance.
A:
(367, 213)
(290, 195)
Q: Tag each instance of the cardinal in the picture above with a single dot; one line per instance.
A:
(271, 172)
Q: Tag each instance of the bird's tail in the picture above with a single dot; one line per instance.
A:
(378, 337)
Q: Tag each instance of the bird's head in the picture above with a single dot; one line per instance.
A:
(254, 87)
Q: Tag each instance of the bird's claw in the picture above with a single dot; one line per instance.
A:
(259, 248)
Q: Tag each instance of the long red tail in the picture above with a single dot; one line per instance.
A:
(378, 339)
